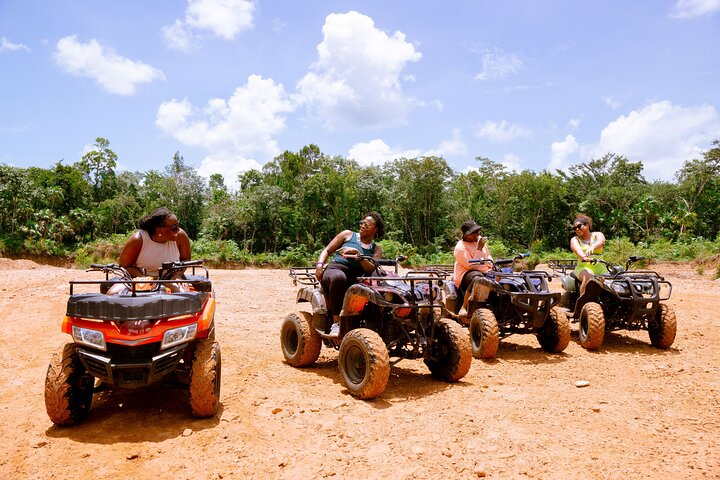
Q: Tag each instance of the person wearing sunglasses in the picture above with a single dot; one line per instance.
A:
(158, 239)
(587, 245)
(345, 268)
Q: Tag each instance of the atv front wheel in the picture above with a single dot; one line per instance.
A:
(592, 326)
(68, 387)
(451, 355)
(205, 379)
(364, 363)
(554, 335)
(663, 327)
(484, 334)
(300, 341)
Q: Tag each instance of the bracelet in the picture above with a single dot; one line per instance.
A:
(319, 264)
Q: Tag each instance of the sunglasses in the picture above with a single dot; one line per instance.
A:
(175, 227)
(578, 226)
(365, 223)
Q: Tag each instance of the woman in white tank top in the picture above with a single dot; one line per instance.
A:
(159, 239)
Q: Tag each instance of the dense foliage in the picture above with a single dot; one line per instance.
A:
(292, 207)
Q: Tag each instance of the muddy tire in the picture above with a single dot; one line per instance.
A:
(451, 355)
(300, 342)
(554, 335)
(663, 327)
(592, 326)
(484, 334)
(364, 363)
(68, 388)
(205, 379)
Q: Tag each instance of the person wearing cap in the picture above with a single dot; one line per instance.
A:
(587, 245)
(472, 246)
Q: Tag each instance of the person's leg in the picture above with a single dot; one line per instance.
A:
(585, 276)
(466, 286)
(335, 283)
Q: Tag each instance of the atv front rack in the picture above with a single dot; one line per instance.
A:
(304, 276)
(562, 266)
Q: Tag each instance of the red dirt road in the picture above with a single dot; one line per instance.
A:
(647, 413)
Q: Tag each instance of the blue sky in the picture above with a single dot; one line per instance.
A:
(232, 83)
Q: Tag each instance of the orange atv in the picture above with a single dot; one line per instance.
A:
(135, 338)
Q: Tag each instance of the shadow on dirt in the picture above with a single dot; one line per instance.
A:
(151, 414)
(408, 382)
(622, 342)
(525, 354)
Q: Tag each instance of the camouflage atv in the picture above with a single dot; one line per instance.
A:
(622, 299)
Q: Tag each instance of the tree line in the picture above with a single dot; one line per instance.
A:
(300, 200)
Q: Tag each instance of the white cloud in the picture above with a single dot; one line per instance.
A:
(610, 102)
(114, 73)
(377, 152)
(563, 152)
(573, 124)
(7, 45)
(498, 64)
(223, 18)
(512, 162)
(501, 132)
(356, 79)
(694, 8)
(233, 130)
(228, 165)
(662, 136)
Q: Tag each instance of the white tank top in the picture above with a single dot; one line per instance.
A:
(153, 254)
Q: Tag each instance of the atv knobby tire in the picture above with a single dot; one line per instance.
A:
(364, 363)
(451, 355)
(300, 341)
(592, 326)
(205, 379)
(554, 335)
(68, 387)
(663, 327)
(484, 334)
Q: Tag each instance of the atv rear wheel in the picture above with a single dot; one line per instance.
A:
(592, 326)
(663, 327)
(554, 335)
(364, 363)
(68, 387)
(205, 379)
(484, 334)
(451, 355)
(300, 342)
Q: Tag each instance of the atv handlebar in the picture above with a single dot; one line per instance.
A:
(504, 261)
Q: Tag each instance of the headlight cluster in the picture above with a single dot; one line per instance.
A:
(621, 288)
(92, 338)
(178, 335)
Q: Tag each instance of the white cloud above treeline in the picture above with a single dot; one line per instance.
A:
(114, 73)
(232, 131)
(661, 135)
(502, 131)
(498, 64)
(356, 80)
(377, 152)
(222, 18)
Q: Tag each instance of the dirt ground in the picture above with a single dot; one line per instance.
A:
(647, 413)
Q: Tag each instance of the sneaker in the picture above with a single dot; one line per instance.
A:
(335, 330)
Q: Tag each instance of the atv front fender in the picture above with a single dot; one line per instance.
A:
(594, 289)
(315, 297)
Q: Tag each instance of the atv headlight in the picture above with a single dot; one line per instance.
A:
(178, 335)
(92, 338)
(620, 287)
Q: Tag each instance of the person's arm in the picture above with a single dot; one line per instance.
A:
(334, 244)
(129, 254)
(183, 243)
(369, 266)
